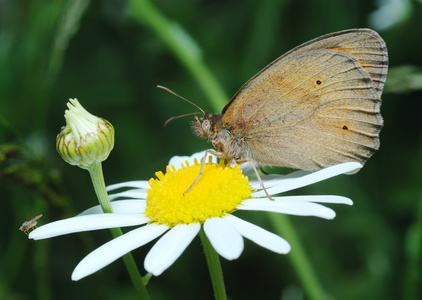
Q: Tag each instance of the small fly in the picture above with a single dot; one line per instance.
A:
(28, 225)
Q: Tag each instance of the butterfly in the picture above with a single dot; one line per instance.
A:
(315, 106)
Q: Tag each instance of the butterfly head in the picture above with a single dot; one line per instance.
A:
(207, 126)
(203, 127)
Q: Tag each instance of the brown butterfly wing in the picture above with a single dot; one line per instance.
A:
(316, 105)
(365, 45)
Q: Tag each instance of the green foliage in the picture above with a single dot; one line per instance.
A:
(111, 55)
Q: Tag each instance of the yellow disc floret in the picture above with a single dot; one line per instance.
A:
(218, 191)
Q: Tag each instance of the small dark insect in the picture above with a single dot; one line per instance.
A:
(28, 226)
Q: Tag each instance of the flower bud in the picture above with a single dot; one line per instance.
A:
(86, 139)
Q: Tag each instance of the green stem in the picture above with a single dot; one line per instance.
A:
(283, 227)
(214, 267)
(68, 26)
(413, 249)
(183, 47)
(97, 178)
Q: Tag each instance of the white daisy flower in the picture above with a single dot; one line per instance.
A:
(160, 207)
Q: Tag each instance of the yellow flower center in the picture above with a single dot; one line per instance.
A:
(218, 191)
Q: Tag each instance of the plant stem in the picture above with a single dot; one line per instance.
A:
(96, 173)
(298, 257)
(413, 247)
(183, 47)
(214, 267)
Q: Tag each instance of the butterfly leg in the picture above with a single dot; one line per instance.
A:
(218, 154)
(260, 180)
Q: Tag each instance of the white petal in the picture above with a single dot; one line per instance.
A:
(169, 247)
(86, 223)
(259, 236)
(287, 185)
(290, 207)
(319, 199)
(247, 169)
(140, 184)
(178, 161)
(276, 179)
(116, 248)
(119, 207)
(224, 237)
(134, 194)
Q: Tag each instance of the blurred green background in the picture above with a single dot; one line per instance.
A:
(111, 55)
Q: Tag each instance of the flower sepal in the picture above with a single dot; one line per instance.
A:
(86, 139)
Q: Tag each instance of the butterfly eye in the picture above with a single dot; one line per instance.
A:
(206, 125)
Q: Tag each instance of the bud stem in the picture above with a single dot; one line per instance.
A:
(96, 173)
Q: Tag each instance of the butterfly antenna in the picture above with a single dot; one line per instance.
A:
(177, 95)
(181, 116)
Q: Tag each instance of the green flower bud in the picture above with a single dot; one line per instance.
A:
(86, 139)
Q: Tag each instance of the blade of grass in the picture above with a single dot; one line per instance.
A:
(182, 46)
